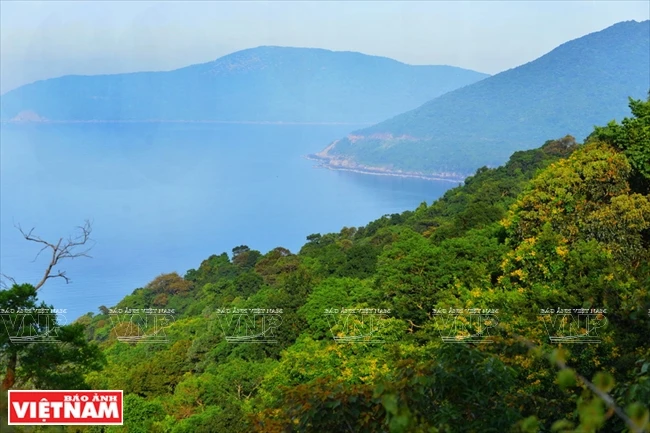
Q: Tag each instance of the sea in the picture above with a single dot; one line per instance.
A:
(162, 197)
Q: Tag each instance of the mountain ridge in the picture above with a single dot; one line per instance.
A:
(547, 97)
(258, 84)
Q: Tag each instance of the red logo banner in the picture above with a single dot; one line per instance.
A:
(65, 407)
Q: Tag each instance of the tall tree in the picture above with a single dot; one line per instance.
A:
(35, 349)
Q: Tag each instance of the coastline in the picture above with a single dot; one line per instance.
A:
(326, 163)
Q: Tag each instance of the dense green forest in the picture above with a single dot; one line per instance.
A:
(562, 227)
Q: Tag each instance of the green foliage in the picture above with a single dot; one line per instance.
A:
(456, 389)
(632, 137)
(36, 363)
(564, 225)
(140, 414)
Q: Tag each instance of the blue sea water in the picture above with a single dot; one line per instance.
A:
(164, 197)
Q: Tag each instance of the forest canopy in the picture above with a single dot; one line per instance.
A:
(517, 302)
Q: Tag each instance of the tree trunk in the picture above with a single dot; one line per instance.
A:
(10, 377)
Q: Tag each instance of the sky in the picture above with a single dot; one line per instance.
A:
(41, 40)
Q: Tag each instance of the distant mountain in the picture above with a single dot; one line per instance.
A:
(258, 84)
(582, 83)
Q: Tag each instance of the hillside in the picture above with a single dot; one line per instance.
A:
(258, 84)
(582, 83)
(541, 232)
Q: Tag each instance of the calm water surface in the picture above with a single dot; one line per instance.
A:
(163, 197)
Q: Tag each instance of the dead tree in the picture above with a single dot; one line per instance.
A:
(70, 248)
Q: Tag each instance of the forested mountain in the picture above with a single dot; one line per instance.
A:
(259, 84)
(579, 84)
(562, 227)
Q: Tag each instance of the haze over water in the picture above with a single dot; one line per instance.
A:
(164, 197)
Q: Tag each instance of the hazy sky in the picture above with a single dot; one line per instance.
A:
(48, 39)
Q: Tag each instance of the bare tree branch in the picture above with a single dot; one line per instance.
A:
(39, 253)
(413, 325)
(3, 283)
(605, 397)
(70, 248)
